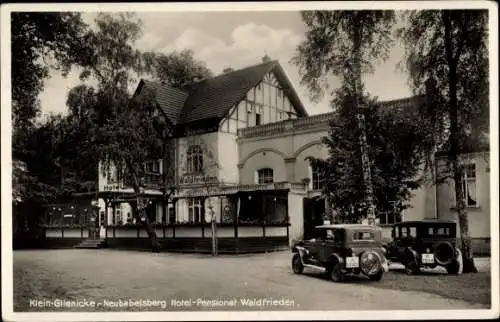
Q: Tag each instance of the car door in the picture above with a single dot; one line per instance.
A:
(327, 247)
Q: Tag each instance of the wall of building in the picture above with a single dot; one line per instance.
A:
(210, 147)
(423, 204)
(296, 217)
(228, 158)
(479, 215)
(285, 153)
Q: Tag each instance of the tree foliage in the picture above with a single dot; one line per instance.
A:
(329, 44)
(176, 69)
(426, 42)
(40, 41)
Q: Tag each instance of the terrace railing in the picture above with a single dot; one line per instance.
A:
(286, 126)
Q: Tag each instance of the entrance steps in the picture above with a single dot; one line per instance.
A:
(91, 244)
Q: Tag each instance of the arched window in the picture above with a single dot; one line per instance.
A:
(194, 159)
(265, 175)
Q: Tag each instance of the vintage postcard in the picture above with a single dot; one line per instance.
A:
(250, 161)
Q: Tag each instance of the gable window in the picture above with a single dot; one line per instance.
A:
(265, 175)
(469, 185)
(258, 119)
(194, 159)
(317, 178)
(194, 209)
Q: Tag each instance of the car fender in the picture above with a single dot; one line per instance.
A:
(413, 253)
(383, 261)
(335, 257)
(301, 251)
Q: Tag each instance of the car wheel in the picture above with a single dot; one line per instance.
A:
(453, 267)
(412, 269)
(377, 277)
(335, 273)
(297, 266)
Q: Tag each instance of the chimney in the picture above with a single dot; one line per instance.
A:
(227, 70)
(266, 58)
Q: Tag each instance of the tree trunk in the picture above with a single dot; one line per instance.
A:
(140, 212)
(468, 260)
(363, 143)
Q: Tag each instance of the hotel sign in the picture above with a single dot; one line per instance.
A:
(113, 187)
(197, 179)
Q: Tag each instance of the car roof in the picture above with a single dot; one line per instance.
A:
(348, 226)
(425, 221)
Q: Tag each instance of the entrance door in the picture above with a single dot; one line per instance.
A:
(151, 212)
(314, 209)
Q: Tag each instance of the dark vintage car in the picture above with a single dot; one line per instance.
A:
(426, 243)
(342, 249)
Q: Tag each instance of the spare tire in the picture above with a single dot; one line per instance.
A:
(444, 252)
(370, 263)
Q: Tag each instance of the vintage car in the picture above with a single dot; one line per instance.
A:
(426, 243)
(342, 249)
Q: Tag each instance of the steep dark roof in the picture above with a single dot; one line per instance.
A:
(214, 97)
(170, 100)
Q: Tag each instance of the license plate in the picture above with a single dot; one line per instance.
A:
(427, 258)
(352, 262)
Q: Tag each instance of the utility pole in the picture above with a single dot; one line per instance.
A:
(363, 143)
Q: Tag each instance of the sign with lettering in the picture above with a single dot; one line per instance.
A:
(111, 187)
(197, 179)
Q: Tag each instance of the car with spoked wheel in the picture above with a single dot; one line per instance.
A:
(425, 243)
(342, 249)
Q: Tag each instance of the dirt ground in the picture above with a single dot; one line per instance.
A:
(111, 278)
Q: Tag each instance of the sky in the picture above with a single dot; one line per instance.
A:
(234, 39)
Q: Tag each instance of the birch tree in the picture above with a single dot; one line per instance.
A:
(345, 44)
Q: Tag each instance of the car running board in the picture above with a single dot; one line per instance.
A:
(315, 267)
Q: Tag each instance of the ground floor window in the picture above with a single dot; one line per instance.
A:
(119, 219)
(194, 209)
(258, 209)
(171, 215)
(386, 218)
(275, 210)
(469, 185)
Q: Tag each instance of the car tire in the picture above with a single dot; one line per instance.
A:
(297, 266)
(412, 269)
(377, 277)
(453, 267)
(335, 273)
